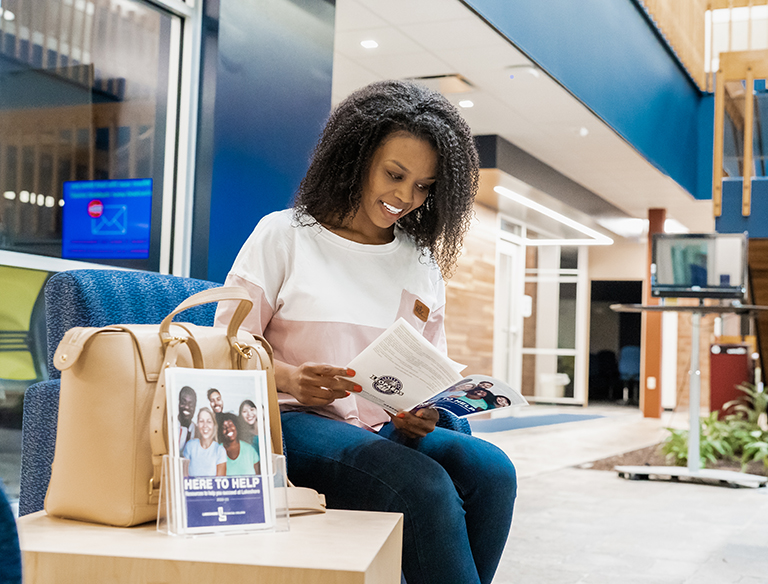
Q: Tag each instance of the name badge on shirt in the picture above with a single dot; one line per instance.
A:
(420, 310)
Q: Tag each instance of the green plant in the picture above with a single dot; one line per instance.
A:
(675, 447)
(752, 406)
(737, 436)
(756, 450)
(715, 442)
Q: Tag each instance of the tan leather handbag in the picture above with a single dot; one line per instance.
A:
(112, 435)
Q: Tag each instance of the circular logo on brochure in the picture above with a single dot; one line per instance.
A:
(388, 384)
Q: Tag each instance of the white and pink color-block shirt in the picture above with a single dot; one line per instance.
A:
(321, 298)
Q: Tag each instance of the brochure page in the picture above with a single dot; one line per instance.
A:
(401, 370)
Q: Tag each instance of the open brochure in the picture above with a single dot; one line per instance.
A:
(401, 370)
(218, 423)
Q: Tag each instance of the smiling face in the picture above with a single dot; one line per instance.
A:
(248, 412)
(217, 404)
(477, 393)
(229, 431)
(187, 404)
(205, 425)
(401, 172)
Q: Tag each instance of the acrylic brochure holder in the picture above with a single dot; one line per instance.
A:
(173, 507)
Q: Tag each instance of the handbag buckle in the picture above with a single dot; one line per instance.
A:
(244, 350)
(169, 340)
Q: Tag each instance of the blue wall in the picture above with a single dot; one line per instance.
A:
(608, 54)
(272, 95)
(732, 221)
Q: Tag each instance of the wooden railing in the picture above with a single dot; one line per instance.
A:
(683, 25)
(736, 66)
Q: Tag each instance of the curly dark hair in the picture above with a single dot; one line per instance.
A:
(332, 188)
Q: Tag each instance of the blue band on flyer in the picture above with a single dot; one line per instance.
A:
(224, 500)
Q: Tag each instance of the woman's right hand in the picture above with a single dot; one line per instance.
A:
(314, 384)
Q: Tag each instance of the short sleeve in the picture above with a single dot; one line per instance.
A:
(221, 454)
(261, 268)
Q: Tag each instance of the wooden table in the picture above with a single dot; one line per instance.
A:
(339, 547)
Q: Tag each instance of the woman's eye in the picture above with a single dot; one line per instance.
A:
(395, 176)
(423, 188)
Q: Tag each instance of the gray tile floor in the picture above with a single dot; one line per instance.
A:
(574, 525)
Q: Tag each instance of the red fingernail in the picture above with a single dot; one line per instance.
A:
(401, 415)
(350, 372)
(347, 394)
(358, 388)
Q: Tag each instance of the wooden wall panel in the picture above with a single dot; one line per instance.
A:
(470, 296)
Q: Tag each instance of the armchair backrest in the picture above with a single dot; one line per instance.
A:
(105, 297)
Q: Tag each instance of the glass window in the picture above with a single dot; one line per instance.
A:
(84, 93)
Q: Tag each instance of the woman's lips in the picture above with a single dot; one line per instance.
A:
(391, 208)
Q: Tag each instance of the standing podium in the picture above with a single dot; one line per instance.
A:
(724, 477)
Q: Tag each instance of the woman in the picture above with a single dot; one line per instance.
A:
(377, 221)
(206, 457)
(248, 423)
(242, 459)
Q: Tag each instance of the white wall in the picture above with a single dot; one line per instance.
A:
(624, 260)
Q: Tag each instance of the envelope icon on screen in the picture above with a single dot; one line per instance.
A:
(113, 221)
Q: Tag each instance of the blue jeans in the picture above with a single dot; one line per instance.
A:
(456, 492)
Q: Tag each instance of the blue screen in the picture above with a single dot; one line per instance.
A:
(107, 219)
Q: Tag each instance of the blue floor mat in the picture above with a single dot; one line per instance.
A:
(515, 423)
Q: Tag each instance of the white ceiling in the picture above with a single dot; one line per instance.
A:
(440, 37)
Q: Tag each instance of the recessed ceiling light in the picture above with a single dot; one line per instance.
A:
(369, 44)
(466, 103)
(583, 131)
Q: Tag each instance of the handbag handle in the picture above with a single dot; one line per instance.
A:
(157, 439)
(213, 295)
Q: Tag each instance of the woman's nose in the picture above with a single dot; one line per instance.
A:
(404, 193)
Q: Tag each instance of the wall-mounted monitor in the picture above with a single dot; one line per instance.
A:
(106, 219)
(710, 265)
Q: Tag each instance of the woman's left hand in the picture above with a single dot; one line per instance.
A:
(416, 424)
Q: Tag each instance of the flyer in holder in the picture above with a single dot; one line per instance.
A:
(401, 370)
(217, 421)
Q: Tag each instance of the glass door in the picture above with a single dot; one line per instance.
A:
(553, 352)
(508, 312)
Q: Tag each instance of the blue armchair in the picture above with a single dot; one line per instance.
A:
(95, 298)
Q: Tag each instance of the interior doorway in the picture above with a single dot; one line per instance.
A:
(614, 343)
